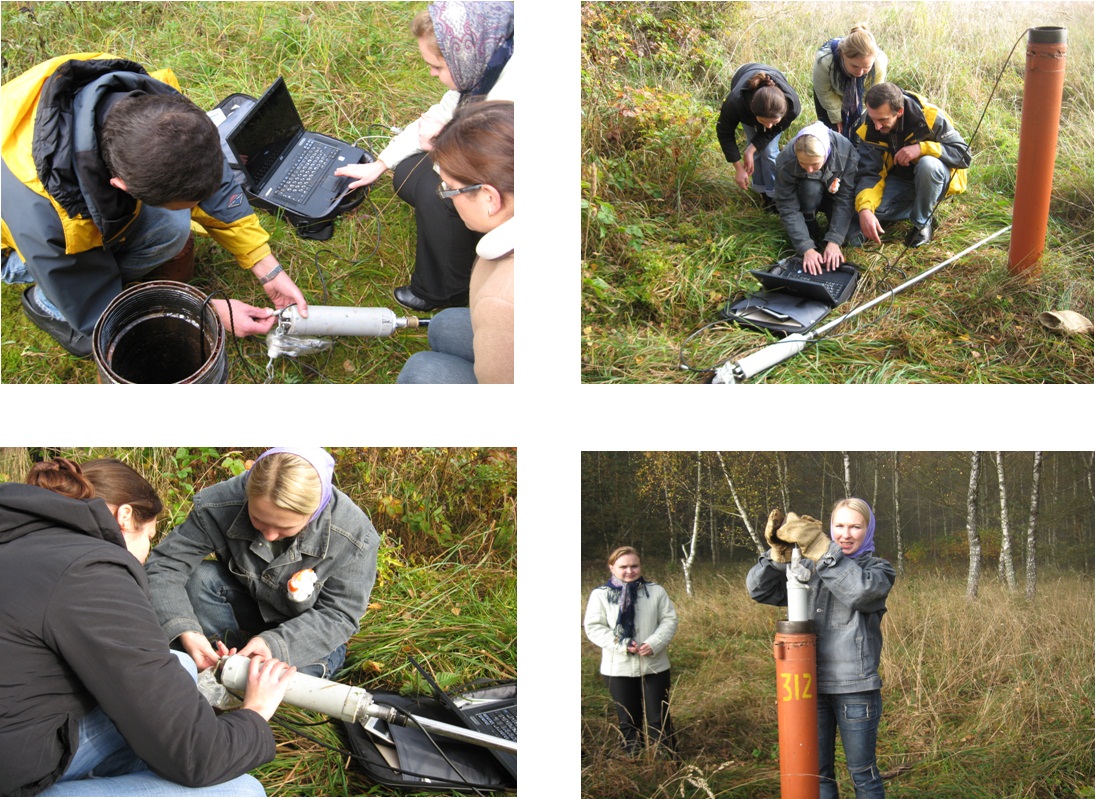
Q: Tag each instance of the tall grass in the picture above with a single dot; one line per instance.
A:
(667, 237)
(354, 72)
(986, 699)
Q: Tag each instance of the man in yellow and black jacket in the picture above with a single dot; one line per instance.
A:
(910, 158)
(104, 168)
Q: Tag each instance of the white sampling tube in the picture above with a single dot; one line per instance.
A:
(350, 703)
(333, 320)
(798, 592)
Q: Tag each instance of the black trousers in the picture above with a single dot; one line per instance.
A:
(445, 250)
(643, 702)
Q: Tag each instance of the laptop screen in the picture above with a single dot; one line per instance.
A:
(267, 132)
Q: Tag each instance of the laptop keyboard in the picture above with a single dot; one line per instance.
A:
(793, 270)
(502, 722)
(312, 159)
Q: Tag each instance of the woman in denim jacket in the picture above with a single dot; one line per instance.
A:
(295, 562)
(848, 592)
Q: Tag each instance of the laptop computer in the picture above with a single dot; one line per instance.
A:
(286, 165)
(497, 717)
(829, 287)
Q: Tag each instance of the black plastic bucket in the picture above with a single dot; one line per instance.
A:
(154, 333)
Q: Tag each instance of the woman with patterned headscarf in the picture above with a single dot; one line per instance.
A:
(295, 562)
(468, 47)
(632, 619)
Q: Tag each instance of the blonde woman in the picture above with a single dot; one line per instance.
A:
(843, 70)
(632, 619)
(817, 172)
(468, 47)
(295, 562)
(848, 594)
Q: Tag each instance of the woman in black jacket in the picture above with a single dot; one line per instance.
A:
(93, 701)
(764, 104)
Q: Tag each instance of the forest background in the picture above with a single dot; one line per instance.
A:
(446, 589)
(667, 236)
(988, 688)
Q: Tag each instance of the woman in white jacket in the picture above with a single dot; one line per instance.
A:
(633, 620)
(469, 48)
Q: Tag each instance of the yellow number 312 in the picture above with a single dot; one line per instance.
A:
(796, 689)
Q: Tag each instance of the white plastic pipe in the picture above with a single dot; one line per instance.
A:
(798, 593)
(333, 320)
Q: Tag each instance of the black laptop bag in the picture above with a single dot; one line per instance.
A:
(785, 311)
(419, 766)
(234, 107)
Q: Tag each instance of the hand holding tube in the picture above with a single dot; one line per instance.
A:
(267, 681)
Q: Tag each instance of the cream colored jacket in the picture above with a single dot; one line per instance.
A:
(656, 623)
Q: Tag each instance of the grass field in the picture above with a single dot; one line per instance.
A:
(354, 72)
(990, 699)
(667, 237)
(446, 590)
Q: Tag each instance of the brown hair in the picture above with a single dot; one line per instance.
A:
(164, 147)
(859, 43)
(620, 552)
(119, 484)
(809, 146)
(422, 26)
(61, 476)
(287, 480)
(477, 146)
(767, 101)
(882, 93)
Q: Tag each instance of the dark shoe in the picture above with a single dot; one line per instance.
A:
(64, 334)
(180, 268)
(768, 205)
(920, 236)
(408, 299)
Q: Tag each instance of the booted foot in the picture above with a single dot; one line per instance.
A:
(408, 299)
(768, 205)
(920, 236)
(180, 268)
(64, 334)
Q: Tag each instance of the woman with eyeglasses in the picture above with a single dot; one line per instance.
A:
(474, 159)
(468, 47)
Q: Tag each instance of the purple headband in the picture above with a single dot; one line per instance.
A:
(321, 461)
(868, 544)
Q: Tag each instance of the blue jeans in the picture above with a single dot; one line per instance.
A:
(909, 199)
(857, 717)
(156, 236)
(764, 176)
(105, 765)
(451, 358)
(226, 609)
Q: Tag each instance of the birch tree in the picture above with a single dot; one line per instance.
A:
(690, 553)
(1029, 587)
(900, 560)
(1006, 535)
(758, 543)
(974, 543)
(848, 474)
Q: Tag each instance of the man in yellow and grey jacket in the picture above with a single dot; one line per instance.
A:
(910, 158)
(104, 169)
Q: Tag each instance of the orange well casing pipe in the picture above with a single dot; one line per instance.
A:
(1044, 77)
(797, 708)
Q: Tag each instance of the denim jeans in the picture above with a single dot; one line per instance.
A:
(105, 765)
(764, 176)
(156, 236)
(857, 717)
(909, 199)
(451, 358)
(226, 609)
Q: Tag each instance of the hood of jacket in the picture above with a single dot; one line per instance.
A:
(66, 142)
(26, 510)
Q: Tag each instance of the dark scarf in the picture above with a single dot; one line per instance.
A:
(625, 595)
(852, 93)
